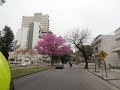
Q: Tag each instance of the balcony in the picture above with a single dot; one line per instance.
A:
(117, 33)
(116, 47)
(117, 36)
(97, 41)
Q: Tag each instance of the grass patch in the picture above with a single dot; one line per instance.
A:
(26, 71)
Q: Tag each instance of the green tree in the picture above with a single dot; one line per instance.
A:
(6, 41)
(65, 58)
(88, 50)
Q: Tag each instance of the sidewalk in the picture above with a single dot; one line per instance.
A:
(113, 76)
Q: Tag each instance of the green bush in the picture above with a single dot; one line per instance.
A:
(116, 67)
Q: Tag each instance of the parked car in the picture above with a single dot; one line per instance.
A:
(23, 64)
(59, 66)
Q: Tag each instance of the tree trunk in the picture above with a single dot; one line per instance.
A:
(52, 61)
(84, 54)
(86, 62)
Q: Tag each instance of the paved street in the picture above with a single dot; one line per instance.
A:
(64, 79)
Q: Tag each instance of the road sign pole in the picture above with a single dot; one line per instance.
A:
(105, 68)
(103, 55)
(95, 62)
(102, 69)
(95, 66)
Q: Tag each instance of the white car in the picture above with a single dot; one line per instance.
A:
(23, 64)
(59, 66)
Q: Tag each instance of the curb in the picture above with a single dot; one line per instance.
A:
(103, 79)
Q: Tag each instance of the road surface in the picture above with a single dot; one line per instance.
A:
(62, 79)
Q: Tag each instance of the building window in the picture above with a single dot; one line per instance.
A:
(96, 49)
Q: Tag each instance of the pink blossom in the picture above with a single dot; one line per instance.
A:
(52, 45)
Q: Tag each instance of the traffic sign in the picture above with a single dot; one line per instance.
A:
(103, 54)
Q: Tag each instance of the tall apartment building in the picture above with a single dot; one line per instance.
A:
(105, 43)
(33, 27)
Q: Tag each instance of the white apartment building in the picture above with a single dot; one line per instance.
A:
(26, 58)
(116, 46)
(33, 27)
(36, 33)
(24, 31)
(105, 43)
(18, 37)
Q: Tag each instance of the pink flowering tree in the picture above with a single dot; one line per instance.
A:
(53, 46)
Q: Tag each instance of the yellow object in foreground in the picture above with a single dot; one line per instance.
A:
(5, 74)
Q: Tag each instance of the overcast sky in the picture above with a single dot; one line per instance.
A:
(99, 16)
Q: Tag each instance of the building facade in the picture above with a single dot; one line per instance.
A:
(116, 46)
(32, 28)
(105, 43)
